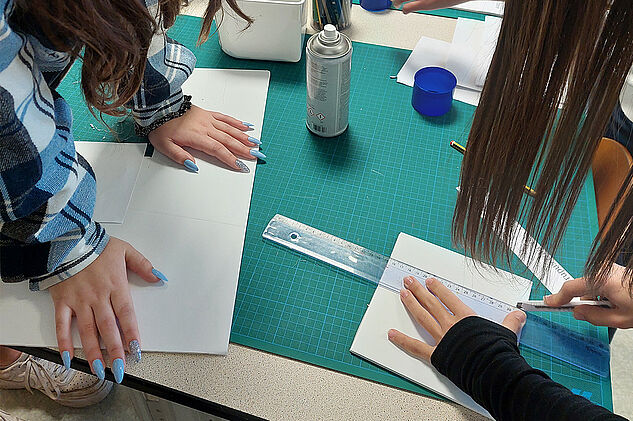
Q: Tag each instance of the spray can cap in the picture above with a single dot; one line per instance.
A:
(329, 43)
(329, 32)
(329, 35)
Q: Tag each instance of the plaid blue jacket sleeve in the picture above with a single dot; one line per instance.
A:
(47, 190)
(169, 64)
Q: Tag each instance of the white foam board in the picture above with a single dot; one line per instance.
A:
(386, 311)
(191, 226)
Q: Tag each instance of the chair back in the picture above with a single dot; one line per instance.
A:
(610, 166)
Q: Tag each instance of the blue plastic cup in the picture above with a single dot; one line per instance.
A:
(433, 89)
(375, 5)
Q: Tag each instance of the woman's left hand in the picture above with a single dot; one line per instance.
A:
(427, 306)
(210, 132)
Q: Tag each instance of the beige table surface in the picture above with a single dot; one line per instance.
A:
(278, 388)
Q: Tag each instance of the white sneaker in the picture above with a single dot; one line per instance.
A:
(66, 387)
(4, 416)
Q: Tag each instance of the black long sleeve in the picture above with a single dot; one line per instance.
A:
(482, 358)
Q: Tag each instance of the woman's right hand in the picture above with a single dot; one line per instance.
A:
(415, 5)
(210, 132)
(98, 296)
(616, 290)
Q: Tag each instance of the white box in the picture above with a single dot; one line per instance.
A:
(276, 34)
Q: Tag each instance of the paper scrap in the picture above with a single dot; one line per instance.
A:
(551, 274)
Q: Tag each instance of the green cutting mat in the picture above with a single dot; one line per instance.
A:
(446, 13)
(391, 171)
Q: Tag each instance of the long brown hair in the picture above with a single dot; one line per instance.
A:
(519, 137)
(112, 38)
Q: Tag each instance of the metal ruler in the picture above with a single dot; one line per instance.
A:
(539, 334)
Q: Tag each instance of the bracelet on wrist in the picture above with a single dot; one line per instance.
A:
(143, 131)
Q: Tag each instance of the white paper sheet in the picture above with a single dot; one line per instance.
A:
(386, 312)
(469, 96)
(482, 6)
(427, 52)
(191, 227)
(116, 167)
(467, 31)
(471, 50)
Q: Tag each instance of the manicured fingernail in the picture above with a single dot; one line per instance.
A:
(247, 124)
(522, 318)
(391, 334)
(135, 351)
(255, 141)
(257, 154)
(97, 367)
(546, 299)
(66, 359)
(243, 167)
(117, 370)
(404, 293)
(407, 281)
(429, 281)
(157, 273)
(190, 165)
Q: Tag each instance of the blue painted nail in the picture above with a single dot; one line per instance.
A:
(190, 165)
(157, 273)
(66, 359)
(257, 154)
(255, 141)
(117, 370)
(135, 351)
(97, 367)
(247, 124)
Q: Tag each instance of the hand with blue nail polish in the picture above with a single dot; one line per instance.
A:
(210, 132)
(99, 297)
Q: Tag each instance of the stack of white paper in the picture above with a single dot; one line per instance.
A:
(468, 56)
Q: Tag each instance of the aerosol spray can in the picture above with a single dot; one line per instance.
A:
(328, 68)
